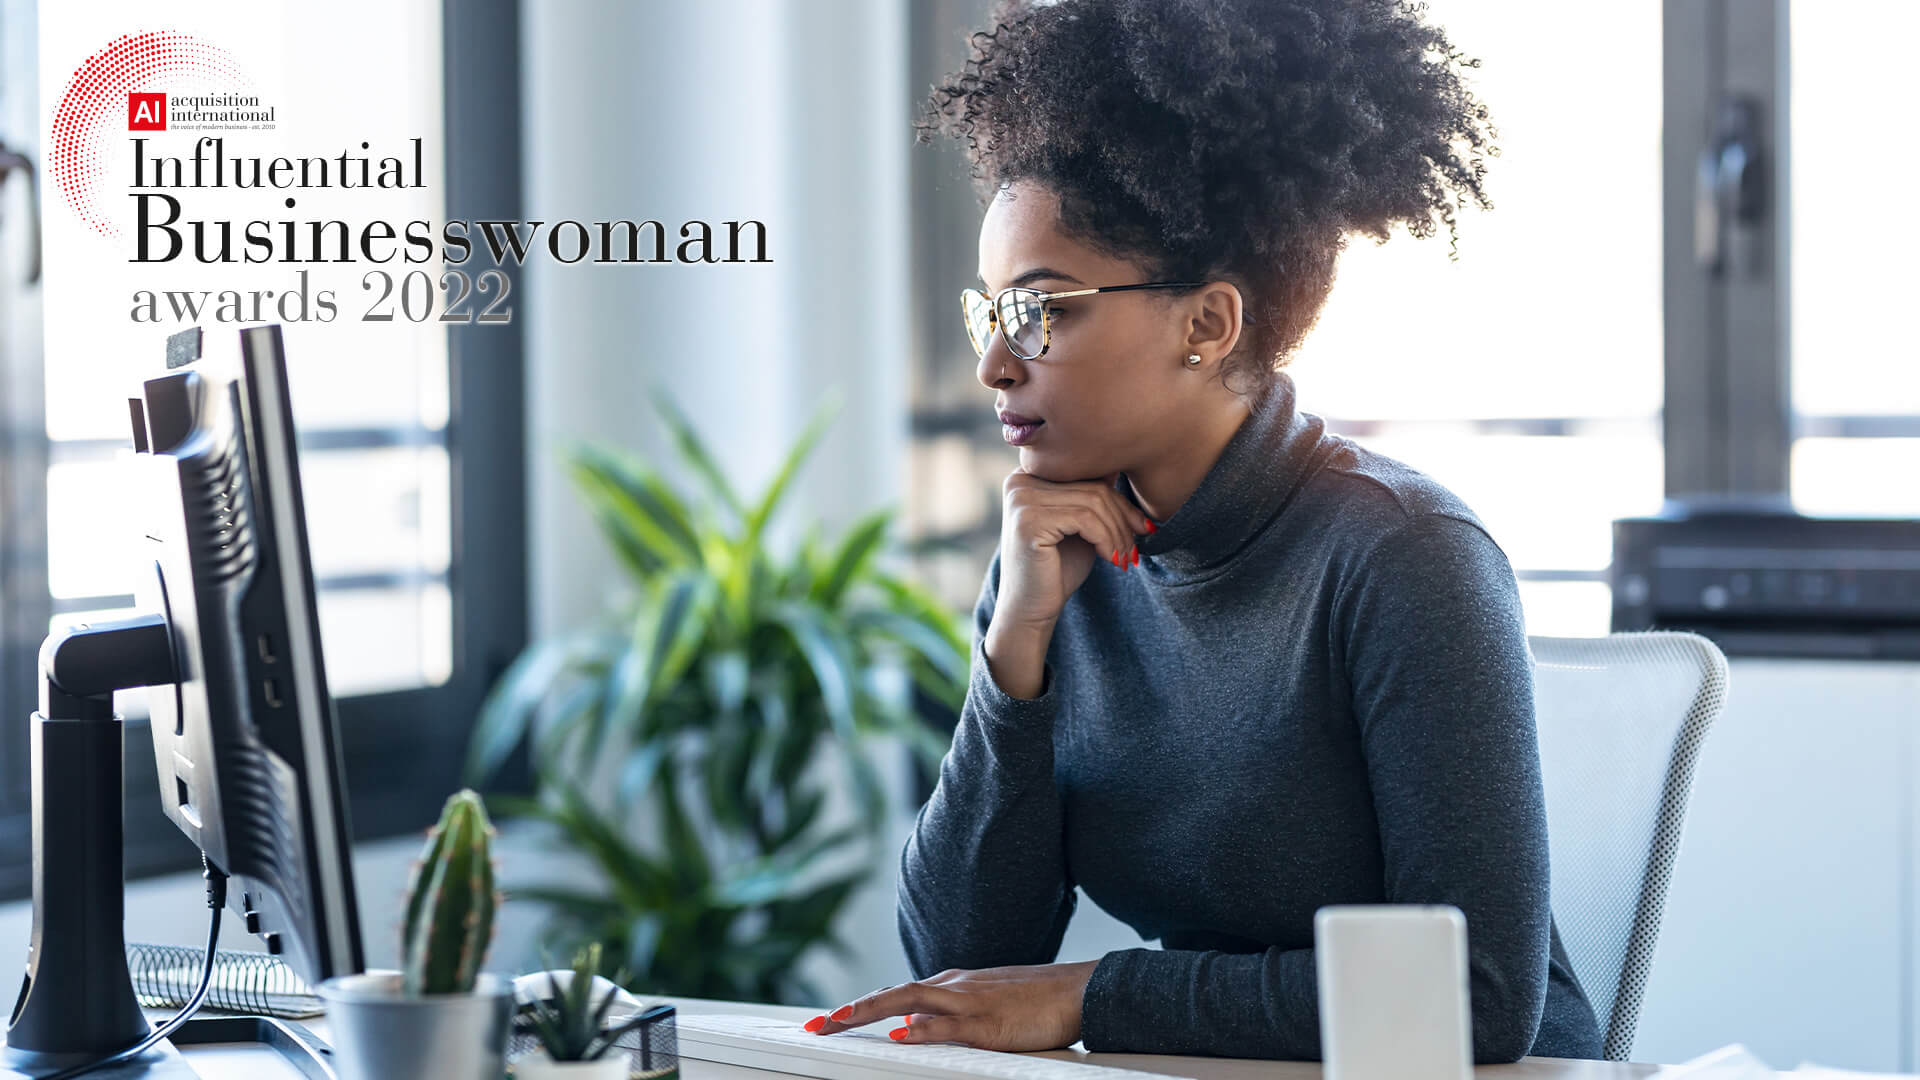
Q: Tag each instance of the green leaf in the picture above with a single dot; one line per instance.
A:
(852, 557)
(820, 845)
(763, 585)
(648, 544)
(682, 629)
(810, 914)
(645, 508)
(692, 871)
(667, 635)
(694, 452)
(932, 746)
(802, 808)
(770, 877)
(802, 577)
(764, 881)
(725, 674)
(501, 806)
(777, 490)
(644, 941)
(911, 598)
(641, 766)
(866, 784)
(796, 746)
(926, 641)
(828, 656)
(771, 706)
(584, 905)
(640, 561)
(746, 550)
(515, 697)
(938, 687)
(638, 880)
(584, 703)
(722, 797)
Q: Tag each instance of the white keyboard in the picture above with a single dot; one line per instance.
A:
(764, 1042)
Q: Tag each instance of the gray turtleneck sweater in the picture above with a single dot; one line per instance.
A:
(1315, 688)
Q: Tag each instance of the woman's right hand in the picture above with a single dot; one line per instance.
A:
(1050, 535)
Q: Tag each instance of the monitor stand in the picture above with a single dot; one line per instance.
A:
(76, 1002)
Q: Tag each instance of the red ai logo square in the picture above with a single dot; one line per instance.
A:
(146, 112)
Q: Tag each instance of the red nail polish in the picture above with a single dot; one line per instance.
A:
(816, 1023)
(1151, 527)
(1116, 556)
(1136, 555)
(842, 1013)
(897, 1034)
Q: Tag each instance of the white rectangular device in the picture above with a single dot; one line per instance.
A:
(1394, 999)
(865, 1053)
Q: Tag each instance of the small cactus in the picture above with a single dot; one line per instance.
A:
(450, 901)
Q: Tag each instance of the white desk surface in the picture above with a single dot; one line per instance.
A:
(217, 1062)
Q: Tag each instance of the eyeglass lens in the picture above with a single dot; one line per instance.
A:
(1020, 315)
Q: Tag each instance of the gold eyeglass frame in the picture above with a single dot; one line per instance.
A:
(992, 304)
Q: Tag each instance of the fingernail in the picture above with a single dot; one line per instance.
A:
(1116, 556)
(816, 1023)
(1136, 555)
(1151, 527)
(842, 1013)
(897, 1034)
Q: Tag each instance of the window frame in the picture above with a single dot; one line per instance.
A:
(403, 750)
(1727, 416)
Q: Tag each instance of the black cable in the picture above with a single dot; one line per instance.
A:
(217, 900)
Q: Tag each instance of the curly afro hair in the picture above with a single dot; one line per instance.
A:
(1236, 140)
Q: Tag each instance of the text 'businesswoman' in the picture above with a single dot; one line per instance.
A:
(1227, 667)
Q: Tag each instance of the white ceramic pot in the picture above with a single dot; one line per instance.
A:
(538, 1066)
(379, 1033)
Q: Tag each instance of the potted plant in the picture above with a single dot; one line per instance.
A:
(673, 742)
(440, 1015)
(574, 1032)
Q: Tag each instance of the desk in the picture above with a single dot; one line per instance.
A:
(217, 1062)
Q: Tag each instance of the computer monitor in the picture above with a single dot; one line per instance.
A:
(244, 734)
(245, 742)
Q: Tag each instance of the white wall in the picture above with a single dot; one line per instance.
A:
(1791, 922)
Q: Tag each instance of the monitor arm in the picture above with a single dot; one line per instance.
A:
(77, 1000)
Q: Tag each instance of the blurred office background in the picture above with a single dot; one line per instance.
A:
(1576, 365)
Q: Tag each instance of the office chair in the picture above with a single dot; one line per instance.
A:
(1620, 720)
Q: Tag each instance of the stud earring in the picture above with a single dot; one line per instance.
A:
(1193, 359)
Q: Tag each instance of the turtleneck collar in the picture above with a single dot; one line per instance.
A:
(1252, 480)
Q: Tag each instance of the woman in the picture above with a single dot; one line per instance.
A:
(1300, 676)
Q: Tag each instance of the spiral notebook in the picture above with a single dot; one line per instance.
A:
(165, 976)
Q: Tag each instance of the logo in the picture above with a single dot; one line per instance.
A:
(146, 112)
(149, 72)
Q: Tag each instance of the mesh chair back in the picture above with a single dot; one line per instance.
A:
(1620, 721)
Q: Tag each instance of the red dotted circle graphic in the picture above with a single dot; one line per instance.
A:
(94, 104)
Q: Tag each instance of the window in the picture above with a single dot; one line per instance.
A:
(370, 399)
(1526, 376)
(1856, 371)
(410, 434)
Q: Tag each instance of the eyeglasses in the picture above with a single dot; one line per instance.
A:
(1022, 314)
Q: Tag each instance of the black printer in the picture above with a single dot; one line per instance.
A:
(1760, 579)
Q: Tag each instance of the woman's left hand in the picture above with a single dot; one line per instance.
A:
(1025, 1007)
